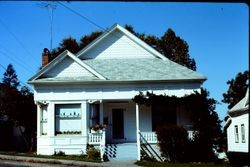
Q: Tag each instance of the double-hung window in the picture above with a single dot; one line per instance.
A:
(243, 138)
(236, 133)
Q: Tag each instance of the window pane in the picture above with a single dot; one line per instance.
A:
(243, 133)
(67, 118)
(236, 131)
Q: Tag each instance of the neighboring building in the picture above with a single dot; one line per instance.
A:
(237, 127)
(95, 87)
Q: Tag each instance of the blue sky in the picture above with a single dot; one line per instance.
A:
(217, 33)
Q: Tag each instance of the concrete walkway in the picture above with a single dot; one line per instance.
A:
(33, 161)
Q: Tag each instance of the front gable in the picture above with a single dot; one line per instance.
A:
(118, 43)
(66, 67)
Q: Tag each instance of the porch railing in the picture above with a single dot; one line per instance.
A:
(95, 138)
(150, 137)
(98, 139)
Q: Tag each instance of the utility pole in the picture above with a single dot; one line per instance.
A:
(51, 7)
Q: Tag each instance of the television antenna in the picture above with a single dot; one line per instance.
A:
(51, 7)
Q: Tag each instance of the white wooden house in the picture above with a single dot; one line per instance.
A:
(95, 86)
(237, 127)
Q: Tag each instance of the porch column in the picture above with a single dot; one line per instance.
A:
(85, 109)
(137, 132)
(51, 119)
(101, 113)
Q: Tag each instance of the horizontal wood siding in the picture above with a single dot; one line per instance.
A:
(117, 45)
(68, 68)
(108, 92)
(240, 146)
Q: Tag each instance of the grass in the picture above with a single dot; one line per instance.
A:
(61, 157)
(164, 164)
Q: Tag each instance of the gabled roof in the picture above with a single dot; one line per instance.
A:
(155, 67)
(59, 59)
(143, 69)
(241, 106)
(128, 34)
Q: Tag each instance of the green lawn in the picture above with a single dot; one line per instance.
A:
(64, 157)
(162, 164)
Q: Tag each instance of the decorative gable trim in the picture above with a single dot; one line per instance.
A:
(129, 35)
(60, 58)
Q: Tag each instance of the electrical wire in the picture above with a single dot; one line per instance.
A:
(95, 24)
(18, 41)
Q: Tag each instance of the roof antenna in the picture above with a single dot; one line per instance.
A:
(50, 6)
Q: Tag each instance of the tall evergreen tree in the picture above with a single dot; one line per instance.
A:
(237, 89)
(10, 77)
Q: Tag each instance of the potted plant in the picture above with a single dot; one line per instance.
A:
(97, 128)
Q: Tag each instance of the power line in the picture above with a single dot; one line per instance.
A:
(105, 30)
(85, 18)
(6, 51)
(17, 62)
(18, 41)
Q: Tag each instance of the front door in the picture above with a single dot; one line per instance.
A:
(117, 124)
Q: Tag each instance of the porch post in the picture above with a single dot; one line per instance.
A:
(137, 132)
(84, 118)
(101, 113)
(51, 119)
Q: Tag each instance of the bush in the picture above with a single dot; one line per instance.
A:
(173, 141)
(93, 153)
(59, 153)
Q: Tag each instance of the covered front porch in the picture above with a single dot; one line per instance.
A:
(125, 122)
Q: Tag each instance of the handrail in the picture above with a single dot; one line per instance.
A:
(144, 141)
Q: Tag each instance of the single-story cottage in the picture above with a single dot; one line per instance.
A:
(86, 98)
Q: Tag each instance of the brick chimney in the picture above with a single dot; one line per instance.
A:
(45, 57)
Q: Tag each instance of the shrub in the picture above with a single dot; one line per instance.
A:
(172, 141)
(59, 153)
(93, 153)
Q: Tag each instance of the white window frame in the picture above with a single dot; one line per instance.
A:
(236, 133)
(243, 136)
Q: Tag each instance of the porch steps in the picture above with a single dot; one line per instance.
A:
(121, 151)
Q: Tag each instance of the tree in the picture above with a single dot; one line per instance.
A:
(17, 105)
(72, 45)
(237, 89)
(176, 49)
(67, 43)
(85, 40)
(10, 77)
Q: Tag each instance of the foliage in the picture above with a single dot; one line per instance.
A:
(237, 89)
(165, 164)
(93, 153)
(98, 127)
(67, 43)
(10, 77)
(203, 114)
(18, 105)
(59, 153)
(72, 45)
(170, 45)
(176, 49)
(172, 140)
